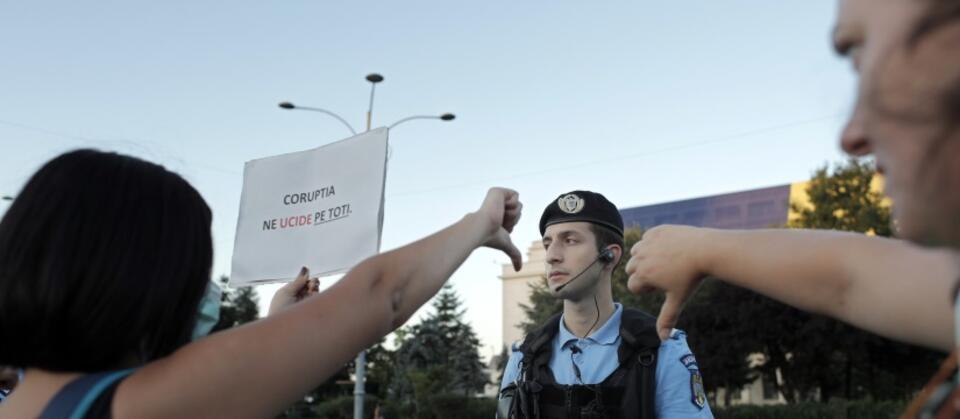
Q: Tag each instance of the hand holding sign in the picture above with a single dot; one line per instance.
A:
(293, 292)
(502, 206)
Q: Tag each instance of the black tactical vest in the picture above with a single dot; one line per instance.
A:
(627, 393)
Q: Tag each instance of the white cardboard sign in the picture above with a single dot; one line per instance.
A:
(319, 208)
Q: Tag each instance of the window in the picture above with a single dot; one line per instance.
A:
(665, 219)
(736, 395)
(694, 218)
(769, 389)
(761, 209)
(727, 212)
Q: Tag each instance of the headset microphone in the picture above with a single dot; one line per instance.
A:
(606, 256)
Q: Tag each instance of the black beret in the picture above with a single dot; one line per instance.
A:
(582, 206)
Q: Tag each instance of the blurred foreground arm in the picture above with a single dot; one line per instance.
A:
(886, 286)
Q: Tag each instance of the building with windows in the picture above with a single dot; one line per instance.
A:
(756, 208)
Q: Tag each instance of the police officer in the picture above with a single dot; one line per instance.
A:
(596, 359)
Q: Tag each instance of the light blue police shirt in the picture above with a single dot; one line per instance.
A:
(678, 377)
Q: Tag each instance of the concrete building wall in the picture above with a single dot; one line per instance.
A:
(516, 291)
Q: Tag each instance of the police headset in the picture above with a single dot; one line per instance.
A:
(606, 256)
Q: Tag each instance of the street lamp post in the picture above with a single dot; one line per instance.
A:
(444, 117)
(374, 79)
(288, 105)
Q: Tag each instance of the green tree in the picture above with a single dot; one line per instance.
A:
(543, 305)
(826, 355)
(334, 397)
(649, 302)
(717, 324)
(440, 355)
(843, 199)
(237, 306)
(380, 369)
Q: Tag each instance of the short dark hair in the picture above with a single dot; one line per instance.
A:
(104, 259)
(605, 237)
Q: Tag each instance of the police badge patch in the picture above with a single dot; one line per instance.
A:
(570, 203)
(697, 395)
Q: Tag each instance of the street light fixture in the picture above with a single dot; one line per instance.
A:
(444, 117)
(288, 105)
(374, 79)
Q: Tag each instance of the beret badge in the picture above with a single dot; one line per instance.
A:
(570, 203)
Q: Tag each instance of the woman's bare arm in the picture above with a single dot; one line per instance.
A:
(258, 369)
(889, 287)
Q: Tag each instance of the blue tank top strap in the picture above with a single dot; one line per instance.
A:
(74, 399)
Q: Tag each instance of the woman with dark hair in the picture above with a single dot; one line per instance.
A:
(908, 105)
(104, 264)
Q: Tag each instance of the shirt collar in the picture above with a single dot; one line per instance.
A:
(605, 335)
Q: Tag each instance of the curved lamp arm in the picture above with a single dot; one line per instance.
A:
(288, 105)
(444, 117)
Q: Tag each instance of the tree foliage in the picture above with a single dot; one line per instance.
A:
(237, 306)
(440, 355)
(825, 355)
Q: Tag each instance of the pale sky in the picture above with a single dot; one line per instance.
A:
(642, 101)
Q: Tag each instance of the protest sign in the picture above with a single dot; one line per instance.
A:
(319, 208)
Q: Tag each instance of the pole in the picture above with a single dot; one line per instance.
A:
(358, 390)
(359, 393)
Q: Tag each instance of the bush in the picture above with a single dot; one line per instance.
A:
(342, 408)
(880, 410)
(860, 409)
(461, 407)
(445, 406)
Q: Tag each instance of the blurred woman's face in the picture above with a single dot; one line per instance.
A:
(903, 110)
